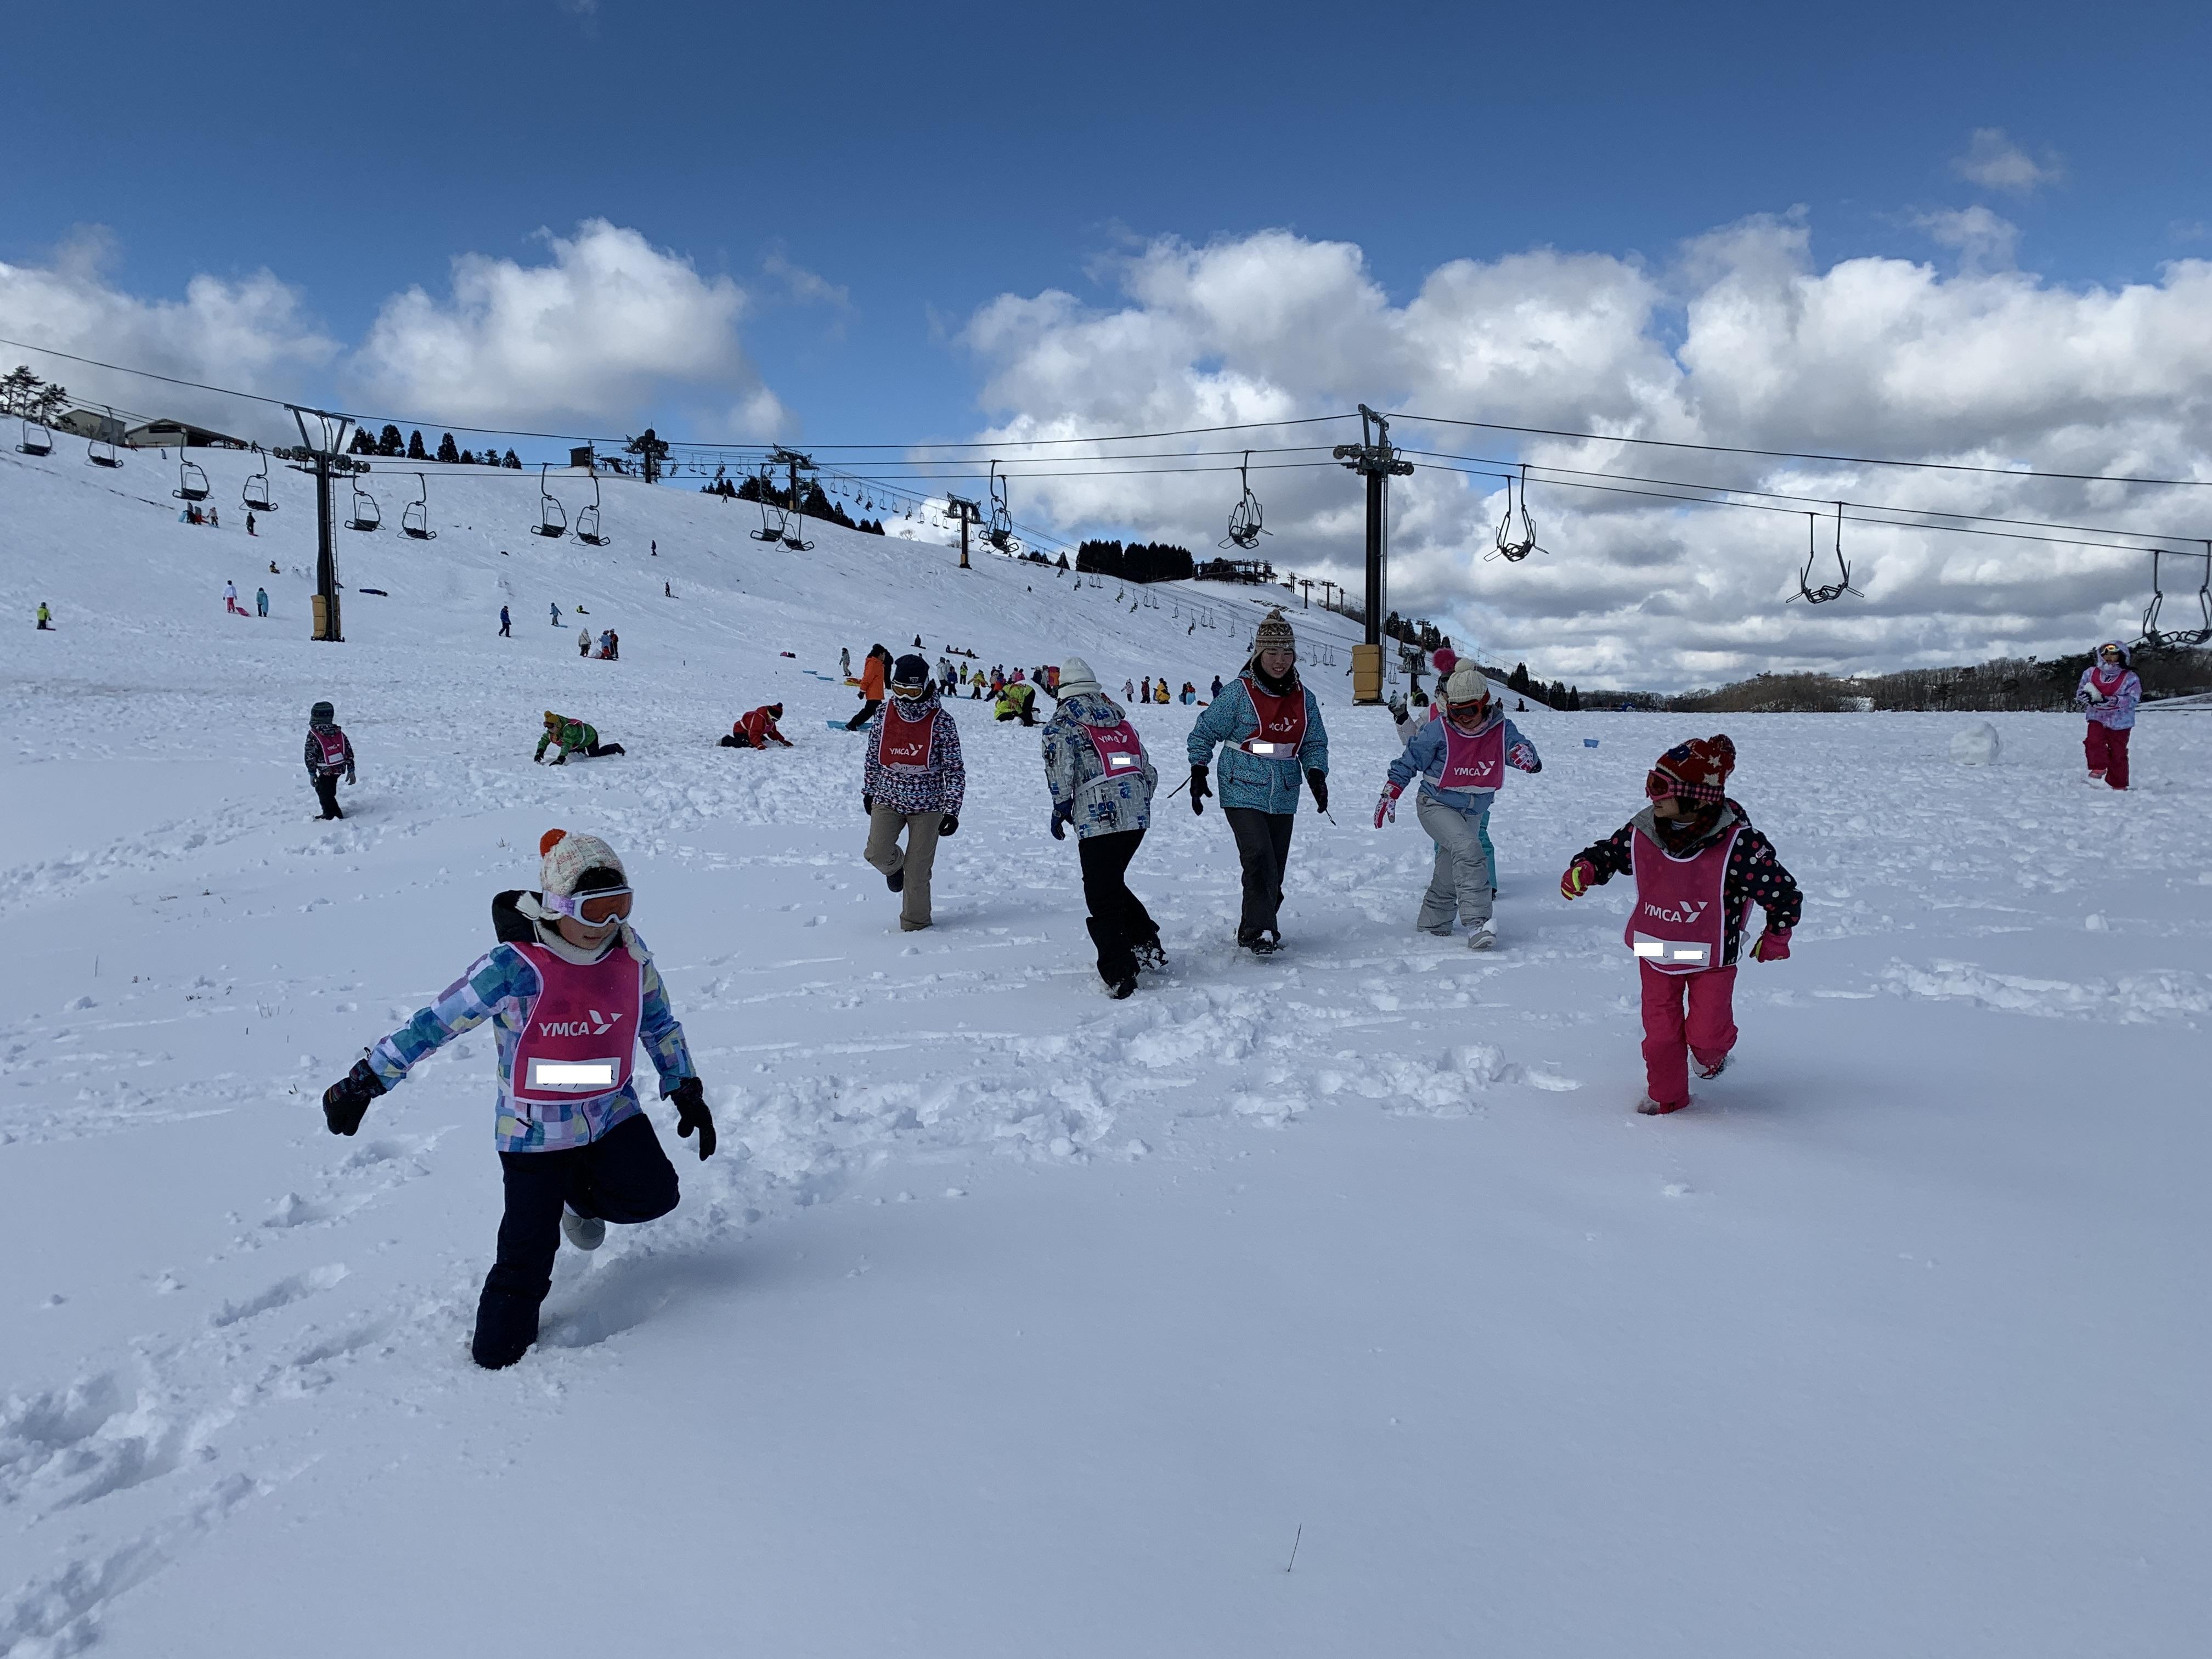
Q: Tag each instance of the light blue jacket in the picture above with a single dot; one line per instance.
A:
(1424, 757)
(1265, 783)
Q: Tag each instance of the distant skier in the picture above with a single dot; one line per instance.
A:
(46, 618)
(329, 756)
(557, 614)
(1460, 761)
(1216, 689)
(567, 737)
(249, 529)
(1270, 731)
(261, 601)
(912, 778)
(1698, 867)
(230, 599)
(571, 990)
(656, 549)
(1102, 781)
(506, 624)
(845, 661)
(583, 641)
(873, 667)
(757, 730)
(2108, 695)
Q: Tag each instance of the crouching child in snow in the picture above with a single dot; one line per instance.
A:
(1698, 866)
(571, 991)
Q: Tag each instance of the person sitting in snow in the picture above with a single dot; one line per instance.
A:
(1017, 702)
(2108, 695)
(329, 758)
(571, 991)
(757, 730)
(567, 737)
(1698, 867)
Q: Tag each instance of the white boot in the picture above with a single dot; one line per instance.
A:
(586, 1232)
(1483, 936)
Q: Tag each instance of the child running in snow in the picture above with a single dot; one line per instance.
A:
(1461, 760)
(575, 1147)
(2108, 695)
(1698, 867)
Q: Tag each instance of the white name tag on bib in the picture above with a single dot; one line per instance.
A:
(1673, 951)
(584, 1076)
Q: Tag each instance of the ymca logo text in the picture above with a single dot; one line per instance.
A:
(1687, 915)
(598, 1025)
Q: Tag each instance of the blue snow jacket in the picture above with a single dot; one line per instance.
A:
(1424, 757)
(1265, 783)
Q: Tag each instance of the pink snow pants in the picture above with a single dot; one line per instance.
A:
(2108, 750)
(1669, 1037)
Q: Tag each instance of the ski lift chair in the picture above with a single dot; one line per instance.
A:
(1834, 590)
(1514, 543)
(552, 517)
(255, 494)
(100, 451)
(366, 516)
(37, 437)
(588, 519)
(771, 529)
(415, 517)
(1245, 528)
(2155, 639)
(191, 482)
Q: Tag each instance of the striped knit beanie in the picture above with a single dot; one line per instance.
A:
(1274, 634)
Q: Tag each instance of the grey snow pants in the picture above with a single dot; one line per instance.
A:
(1462, 879)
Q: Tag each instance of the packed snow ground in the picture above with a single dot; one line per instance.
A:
(1011, 1320)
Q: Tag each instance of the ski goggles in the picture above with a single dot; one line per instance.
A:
(593, 909)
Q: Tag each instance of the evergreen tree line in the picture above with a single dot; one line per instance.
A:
(390, 443)
(812, 502)
(24, 396)
(1136, 561)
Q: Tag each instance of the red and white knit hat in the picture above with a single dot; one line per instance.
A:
(1696, 771)
(566, 857)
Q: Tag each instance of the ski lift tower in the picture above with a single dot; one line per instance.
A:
(968, 513)
(1374, 460)
(322, 452)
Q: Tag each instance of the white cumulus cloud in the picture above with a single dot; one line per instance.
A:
(600, 328)
(1742, 338)
(1995, 162)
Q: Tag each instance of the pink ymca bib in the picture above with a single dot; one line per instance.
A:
(1474, 762)
(1680, 924)
(1119, 749)
(1282, 730)
(582, 1029)
(903, 743)
(333, 743)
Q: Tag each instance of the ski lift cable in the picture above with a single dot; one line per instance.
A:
(1764, 507)
(1803, 455)
(1564, 475)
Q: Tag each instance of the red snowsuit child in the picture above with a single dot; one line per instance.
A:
(1698, 866)
(757, 730)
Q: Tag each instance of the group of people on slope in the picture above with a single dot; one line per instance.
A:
(609, 648)
(232, 607)
(1149, 690)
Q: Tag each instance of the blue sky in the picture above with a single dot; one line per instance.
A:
(925, 159)
(1965, 231)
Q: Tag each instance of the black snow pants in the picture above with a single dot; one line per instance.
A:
(1263, 847)
(624, 1176)
(1120, 924)
(868, 712)
(326, 791)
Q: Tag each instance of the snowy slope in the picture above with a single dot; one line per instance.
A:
(1011, 1320)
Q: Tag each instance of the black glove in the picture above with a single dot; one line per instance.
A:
(949, 824)
(1318, 782)
(691, 1113)
(867, 804)
(1199, 789)
(1058, 824)
(346, 1101)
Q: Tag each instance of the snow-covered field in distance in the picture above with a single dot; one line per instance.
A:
(1011, 1320)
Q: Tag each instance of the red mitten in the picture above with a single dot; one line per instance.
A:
(1387, 807)
(1772, 946)
(1581, 875)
